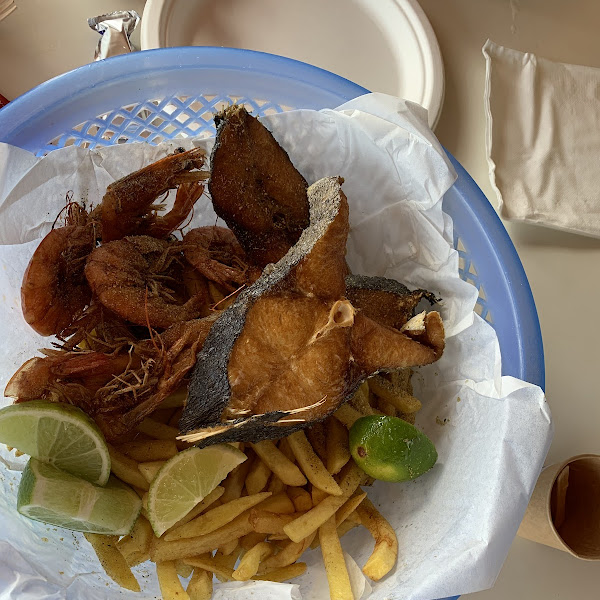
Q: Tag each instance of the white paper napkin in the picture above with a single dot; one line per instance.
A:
(543, 139)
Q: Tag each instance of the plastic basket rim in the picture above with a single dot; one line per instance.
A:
(211, 57)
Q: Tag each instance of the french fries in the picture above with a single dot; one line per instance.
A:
(170, 586)
(150, 469)
(310, 521)
(234, 482)
(149, 450)
(112, 561)
(211, 565)
(280, 503)
(385, 553)
(266, 522)
(182, 569)
(301, 498)
(281, 466)
(349, 507)
(292, 503)
(200, 586)
(158, 431)
(288, 555)
(137, 543)
(217, 517)
(335, 565)
(126, 469)
(250, 562)
(347, 415)
(283, 574)
(258, 477)
(312, 465)
(395, 395)
(184, 548)
(338, 451)
(203, 505)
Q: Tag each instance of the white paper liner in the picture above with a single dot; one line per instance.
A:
(456, 523)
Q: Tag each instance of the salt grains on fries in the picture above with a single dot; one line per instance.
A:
(112, 561)
(170, 586)
(385, 553)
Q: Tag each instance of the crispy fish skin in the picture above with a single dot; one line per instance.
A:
(255, 188)
(386, 301)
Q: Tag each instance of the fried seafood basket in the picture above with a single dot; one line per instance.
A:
(166, 94)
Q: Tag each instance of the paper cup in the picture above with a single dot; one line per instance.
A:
(564, 511)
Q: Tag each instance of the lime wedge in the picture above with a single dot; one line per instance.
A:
(390, 449)
(185, 480)
(52, 496)
(58, 434)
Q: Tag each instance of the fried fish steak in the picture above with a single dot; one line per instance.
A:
(255, 188)
(292, 347)
(385, 300)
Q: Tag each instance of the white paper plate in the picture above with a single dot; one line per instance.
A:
(384, 45)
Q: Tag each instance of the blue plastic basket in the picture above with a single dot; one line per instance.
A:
(163, 94)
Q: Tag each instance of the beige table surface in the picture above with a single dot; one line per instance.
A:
(562, 268)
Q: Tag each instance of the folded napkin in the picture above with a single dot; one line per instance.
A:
(543, 139)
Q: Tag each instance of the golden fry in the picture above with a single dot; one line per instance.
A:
(309, 522)
(150, 469)
(138, 540)
(267, 522)
(210, 564)
(228, 548)
(283, 574)
(217, 517)
(281, 466)
(276, 486)
(112, 561)
(250, 562)
(184, 548)
(360, 400)
(347, 415)
(170, 586)
(300, 497)
(227, 560)
(209, 500)
(258, 477)
(149, 450)
(288, 555)
(317, 436)
(385, 553)
(338, 451)
(158, 431)
(396, 396)
(279, 503)
(311, 464)
(234, 482)
(345, 527)
(250, 540)
(182, 569)
(317, 495)
(349, 507)
(200, 586)
(126, 469)
(335, 565)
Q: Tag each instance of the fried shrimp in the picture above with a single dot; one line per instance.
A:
(216, 254)
(54, 288)
(128, 206)
(138, 278)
